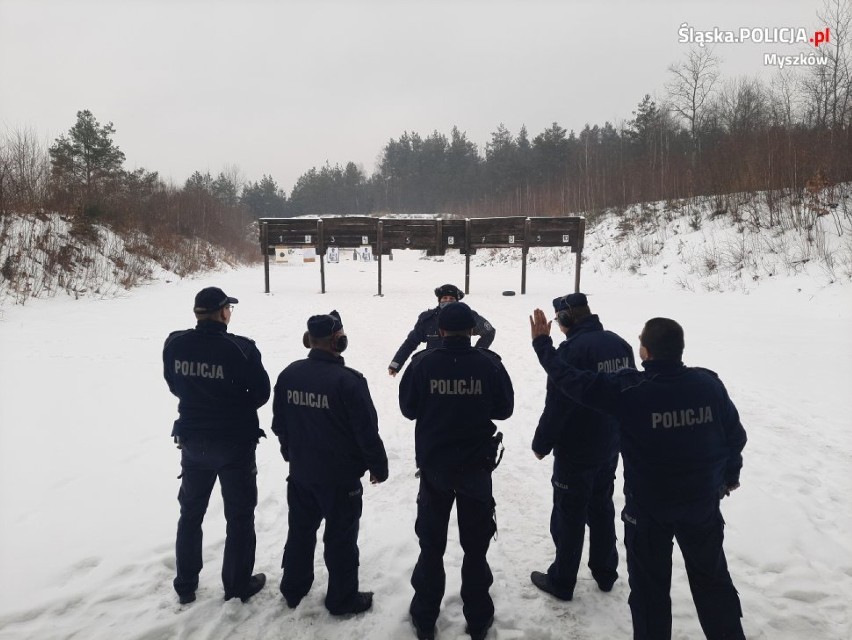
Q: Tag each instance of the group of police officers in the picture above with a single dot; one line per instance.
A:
(677, 431)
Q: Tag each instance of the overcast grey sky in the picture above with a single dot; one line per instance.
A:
(280, 87)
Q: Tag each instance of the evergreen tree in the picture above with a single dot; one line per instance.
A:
(85, 162)
(199, 183)
(354, 184)
(501, 161)
(224, 190)
(550, 152)
(463, 168)
(265, 199)
(641, 129)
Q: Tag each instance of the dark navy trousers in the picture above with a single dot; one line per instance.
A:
(582, 494)
(202, 461)
(471, 491)
(340, 506)
(699, 531)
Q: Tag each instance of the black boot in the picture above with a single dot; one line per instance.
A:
(255, 584)
(481, 632)
(358, 603)
(422, 632)
(543, 582)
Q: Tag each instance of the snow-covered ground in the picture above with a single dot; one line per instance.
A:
(88, 472)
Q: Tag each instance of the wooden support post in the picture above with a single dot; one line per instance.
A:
(581, 234)
(467, 256)
(379, 241)
(264, 241)
(577, 271)
(321, 251)
(524, 252)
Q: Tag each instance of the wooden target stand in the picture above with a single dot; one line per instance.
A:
(435, 236)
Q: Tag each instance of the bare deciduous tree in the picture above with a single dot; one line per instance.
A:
(692, 86)
(742, 105)
(828, 87)
(783, 100)
(837, 14)
(24, 171)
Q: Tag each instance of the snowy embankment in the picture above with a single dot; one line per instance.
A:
(46, 255)
(88, 473)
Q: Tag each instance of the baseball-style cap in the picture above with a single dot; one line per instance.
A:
(456, 316)
(571, 300)
(212, 299)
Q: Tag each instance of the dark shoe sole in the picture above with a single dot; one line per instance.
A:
(186, 598)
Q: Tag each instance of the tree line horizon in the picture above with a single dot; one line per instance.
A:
(707, 135)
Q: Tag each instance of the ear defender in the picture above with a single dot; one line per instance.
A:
(339, 343)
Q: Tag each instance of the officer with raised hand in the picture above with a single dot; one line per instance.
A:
(584, 443)
(426, 328)
(328, 429)
(681, 442)
(221, 382)
(454, 393)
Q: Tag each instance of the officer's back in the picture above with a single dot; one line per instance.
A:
(219, 380)
(681, 435)
(677, 434)
(454, 392)
(590, 437)
(325, 418)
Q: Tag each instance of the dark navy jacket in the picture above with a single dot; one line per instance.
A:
(326, 423)
(454, 392)
(577, 434)
(426, 330)
(681, 437)
(219, 379)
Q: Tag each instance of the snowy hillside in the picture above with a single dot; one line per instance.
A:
(719, 243)
(88, 472)
(45, 255)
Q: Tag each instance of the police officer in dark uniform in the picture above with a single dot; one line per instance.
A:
(426, 328)
(221, 382)
(454, 392)
(682, 442)
(585, 455)
(327, 425)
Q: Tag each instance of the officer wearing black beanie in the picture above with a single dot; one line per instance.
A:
(327, 426)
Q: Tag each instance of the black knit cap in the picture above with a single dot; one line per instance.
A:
(456, 316)
(212, 299)
(571, 300)
(324, 325)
